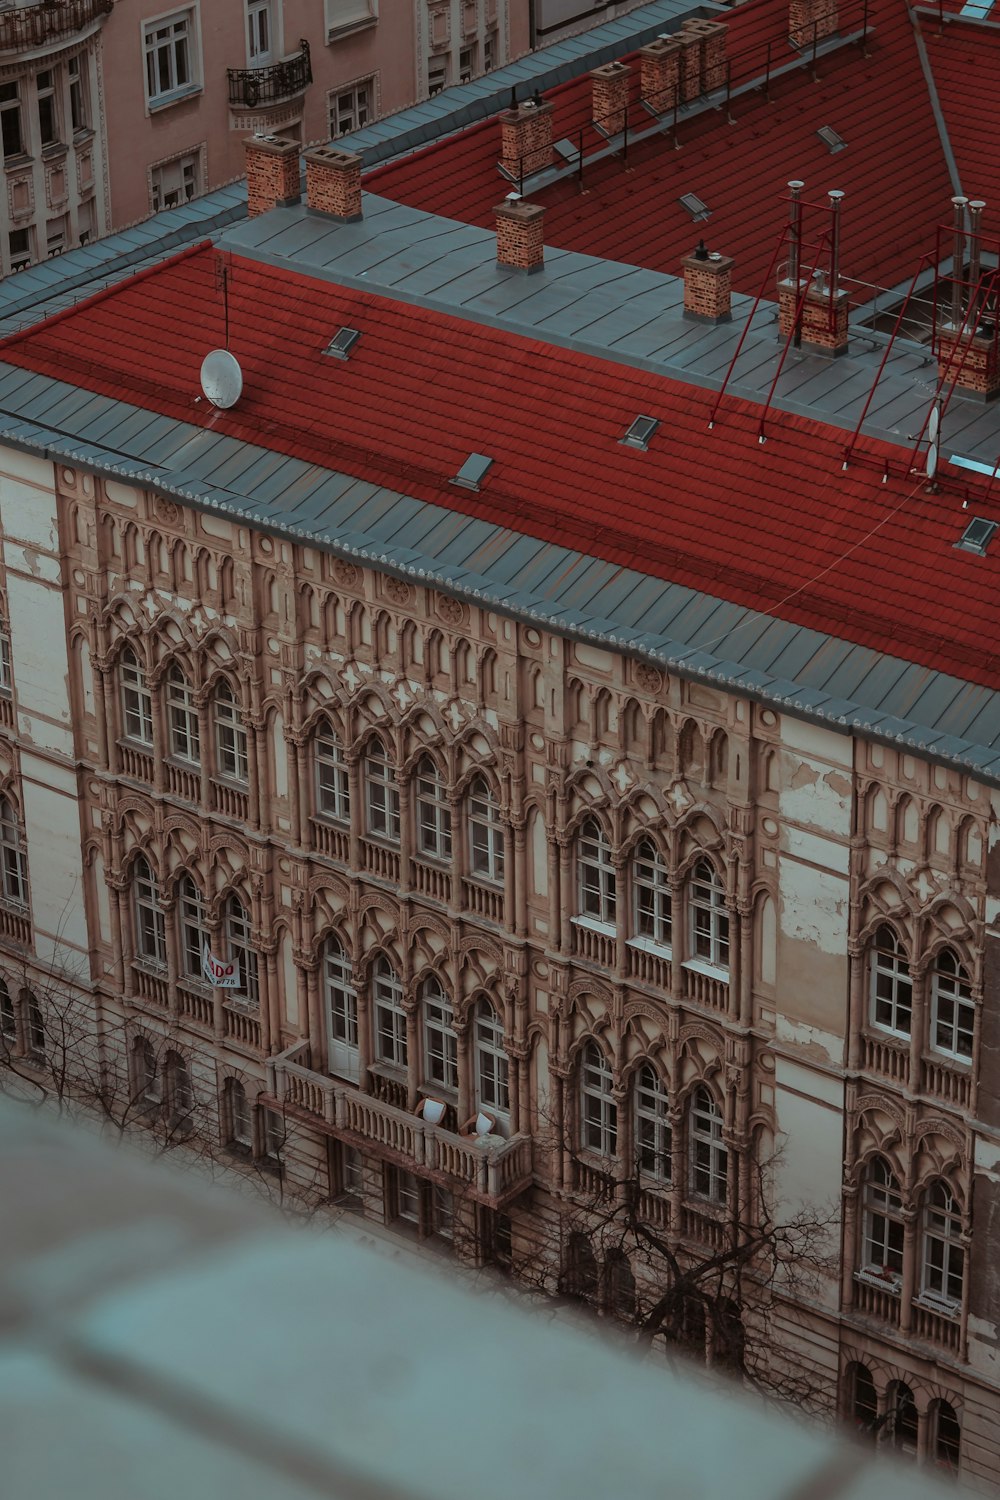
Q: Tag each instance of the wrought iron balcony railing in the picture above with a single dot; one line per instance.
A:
(30, 26)
(257, 88)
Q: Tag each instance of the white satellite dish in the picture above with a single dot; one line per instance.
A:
(221, 378)
(933, 439)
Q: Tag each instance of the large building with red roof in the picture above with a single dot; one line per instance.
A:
(512, 743)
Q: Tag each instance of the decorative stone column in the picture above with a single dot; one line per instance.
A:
(856, 1006)
(168, 907)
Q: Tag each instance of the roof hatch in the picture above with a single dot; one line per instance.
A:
(694, 206)
(640, 432)
(342, 343)
(473, 471)
(831, 140)
(977, 536)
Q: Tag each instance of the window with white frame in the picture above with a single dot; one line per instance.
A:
(48, 112)
(891, 987)
(172, 183)
(651, 899)
(341, 1009)
(492, 1062)
(239, 1115)
(145, 1076)
(178, 1089)
(182, 717)
(230, 735)
(238, 941)
(12, 134)
(441, 1209)
(381, 793)
(192, 928)
(349, 15)
(653, 1135)
(79, 98)
(333, 788)
(709, 1157)
(351, 108)
(597, 898)
(953, 1010)
(433, 812)
(170, 48)
(881, 1220)
(943, 1259)
(440, 1041)
(437, 74)
(390, 1017)
(272, 1135)
(260, 32)
(13, 860)
(486, 833)
(6, 671)
(150, 932)
(137, 702)
(407, 1196)
(598, 1108)
(709, 916)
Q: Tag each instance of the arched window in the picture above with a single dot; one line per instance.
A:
(598, 1109)
(145, 1079)
(709, 917)
(492, 1065)
(341, 1010)
(579, 1278)
(239, 1116)
(179, 1093)
(381, 793)
(6, 670)
(240, 952)
(8, 1017)
(709, 1157)
(230, 735)
(728, 1336)
(150, 933)
(943, 1258)
(137, 702)
(182, 716)
(440, 1041)
(891, 985)
(433, 813)
(333, 793)
(595, 875)
(192, 928)
(14, 865)
(653, 1137)
(882, 1221)
(486, 834)
(953, 1013)
(390, 1017)
(652, 911)
(902, 1424)
(946, 1436)
(863, 1400)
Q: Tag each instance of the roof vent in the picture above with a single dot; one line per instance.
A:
(694, 206)
(831, 140)
(640, 432)
(473, 471)
(977, 536)
(342, 343)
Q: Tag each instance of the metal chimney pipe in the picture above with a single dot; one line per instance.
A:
(795, 233)
(836, 198)
(976, 207)
(957, 259)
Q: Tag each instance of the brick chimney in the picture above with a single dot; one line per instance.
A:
(968, 351)
(660, 71)
(333, 182)
(703, 48)
(520, 245)
(609, 108)
(272, 173)
(824, 314)
(526, 138)
(811, 18)
(708, 286)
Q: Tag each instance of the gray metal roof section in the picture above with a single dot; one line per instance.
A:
(801, 671)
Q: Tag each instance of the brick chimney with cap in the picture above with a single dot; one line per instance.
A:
(703, 57)
(968, 344)
(660, 71)
(708, 285)
(609, 106)
(333, 182)
(273, 174)
(822, 323)
(520, 242)
(526, 138)
(811, 18)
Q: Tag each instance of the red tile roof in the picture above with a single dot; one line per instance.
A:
(965, 63)
(893, 167)
(779, 528)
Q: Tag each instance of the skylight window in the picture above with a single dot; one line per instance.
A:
(831, 140)
(640, 432)
(694, 206)
(342, 343)
(977, 536)
(473, 471)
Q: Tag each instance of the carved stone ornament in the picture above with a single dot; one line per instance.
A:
(166, 510)
(346, 573)
(450, 610)
(648, 678)
(397, 590)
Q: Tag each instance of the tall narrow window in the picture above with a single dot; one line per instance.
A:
(34, 1026)
(492, 1064)
(179, 1092)
(440, 1041)
(342, 1010)
(333, 794)
(48, 120)
(6, 671)
(150, 933)
(193, 929)
(947, 1437)
(381, 793)
(240, 1119)
(653, 1136)
(168, 45)
(943, 1268)
(13, 861)
(891, 985)
(433, 813)
(953, 1011)
(182, 714)
(598, 1109)
(78, 97)
(259, 32)
(864, 1400)
(8, 1018)
(709, 1157)
(882, 1220)
(145, 1078)
(137, 703)
(596, 875)
(238, 940)
(903, 1423)
(11, 125)
(486, 834)
(390, 1017)
(230, 735)
(709, 917)
(652, 916)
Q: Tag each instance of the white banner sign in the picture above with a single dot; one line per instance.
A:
(219, 972)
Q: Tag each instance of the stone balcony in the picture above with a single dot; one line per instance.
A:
(494, 1175)
(268, 87)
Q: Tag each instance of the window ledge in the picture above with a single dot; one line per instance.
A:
(177, 96)
(18, 163)
(388, 1070)
(711, 971)
(54, 151)
(478, 878)
(879, 1033)
(649, 945)
(592, 925)
(348, 28)
(948, 1060)
(941, 1308)
(890, 1284)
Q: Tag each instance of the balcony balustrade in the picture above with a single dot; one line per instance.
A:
(183, 781)
(15, 926)
(242, 1027)
(595, 946)
(430, 880)
(876, 1297)
(231, 801)
(952, 1084)
(648, 966)
(195, 1005)
(151, 987)
(28, 27)
(135, 763)
(483, 900)
(938, 1325)
(888, 1059)
(332, 841)
(260, 88)
(493, 1174)
(705, 989)
(379, 861)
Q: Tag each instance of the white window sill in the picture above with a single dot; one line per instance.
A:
(176, 96)
(884, 1034)
(890, 1284)
(592, 925)
(941, 1307)
(648, 945)
(348, 28)
(711, 971)
(479, 878)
